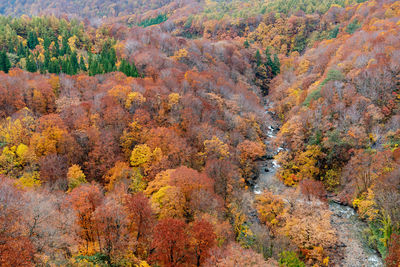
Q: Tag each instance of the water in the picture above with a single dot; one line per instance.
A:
(349, 228)
(344, 219)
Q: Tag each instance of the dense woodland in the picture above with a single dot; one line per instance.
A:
(133, 140)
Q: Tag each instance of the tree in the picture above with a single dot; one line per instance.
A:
(270, 209)
(53, 171)
(289, 258)
(128, 69)
(169, 242)
(31, 64)
(32, 40)
(273, 63)
(202, 240)
(309, 227)
(235, 255)
(111, 223)
(122, 173)
(16, 251)
(246, 44)
(85, 199)
(311, 188)
(141, 221)
(169, 202)
(224, 174)
(5, 63)
(249, 152)
(393, 256)
(15, 247)
(75, 177)
(258, 58)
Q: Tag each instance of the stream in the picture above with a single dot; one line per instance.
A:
(353, 250)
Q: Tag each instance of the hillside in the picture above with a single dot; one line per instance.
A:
(200, 133)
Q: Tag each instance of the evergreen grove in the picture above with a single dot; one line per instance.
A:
(49, 51)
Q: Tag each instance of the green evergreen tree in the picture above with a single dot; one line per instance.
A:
(54, 66)
(276, 65)
(32, 40)
(65, 50)
(46, 43)
(82, 64)
(94, 66)
(273, 63)
(21, 50)
(5, 64)
(56, 50)
(31, 64)
(258, 58)
(128, 69)
(74, 63)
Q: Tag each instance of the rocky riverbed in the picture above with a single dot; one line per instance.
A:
(352, 249)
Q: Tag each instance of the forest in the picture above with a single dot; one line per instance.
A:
(200, 133)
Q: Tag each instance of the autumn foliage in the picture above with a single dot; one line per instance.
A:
(131, 133)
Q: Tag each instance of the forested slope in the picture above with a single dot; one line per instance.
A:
(130, 130)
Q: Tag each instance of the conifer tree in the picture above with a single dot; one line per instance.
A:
(5, 64)
(32, 40)
(31, 64)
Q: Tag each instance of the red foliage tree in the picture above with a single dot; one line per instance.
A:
(312, 188)
(141, 220)
(85, 199)
(15, 248)
(203, 239)
(169, 242)
(393, 257)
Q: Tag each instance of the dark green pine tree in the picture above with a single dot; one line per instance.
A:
(46, 43)
(128, 69)
(5, 63)
(70, 68)
(46, 59)
(21, 52)
(274, 63)
(12, 48)
(94, 66)
(108, 58)
(124, 67)
(258, 58)
(31, 64)
(56, 50)
(134, 71)
(65, 50)
(54, 66)
(74, 63)
(82, 64)
(32, 40)
(276, 68)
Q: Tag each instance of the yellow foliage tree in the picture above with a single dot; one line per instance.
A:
(270, 209)
(121, 172)
(168, 202)
(302, 166)
(134, 99)
(29, 180)
(142, 157)
(120, 93)
(180, 54)
(131, 137)
(173, 100)
(75, 177)
(216, 148)
(162, 179)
